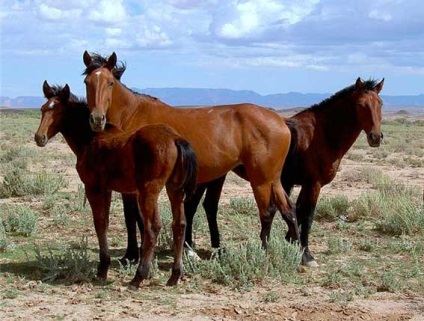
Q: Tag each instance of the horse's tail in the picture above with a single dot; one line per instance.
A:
(291, 124)
(187, 160)
(290, 164)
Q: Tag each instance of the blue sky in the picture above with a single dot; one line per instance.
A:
(267, 46)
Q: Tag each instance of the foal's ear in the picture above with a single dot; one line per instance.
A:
(111, 62)
(64, 94)
(359, 83)
(379, 86)
(86, 58)
(47, 90)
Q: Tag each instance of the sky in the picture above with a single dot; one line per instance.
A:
(267, 46)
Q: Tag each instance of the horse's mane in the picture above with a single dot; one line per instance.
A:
(100, 61)
(117, 71)
(367, 85)
(78, 101)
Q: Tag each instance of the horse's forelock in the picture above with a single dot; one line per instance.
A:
(98, 61)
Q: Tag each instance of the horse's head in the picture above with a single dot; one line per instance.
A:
(368, 109)
(52, 113)
(99, 82)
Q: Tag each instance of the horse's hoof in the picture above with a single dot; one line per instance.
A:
(132, 287)
(127, 262)
(311, 264)
(192, 255)
(101, 277)
(218, 252)
(172, 281)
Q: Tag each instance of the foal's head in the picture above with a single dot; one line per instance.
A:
(52, 112)
(101, 75)
(368, 109)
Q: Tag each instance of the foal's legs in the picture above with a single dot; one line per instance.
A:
(148, 203)
(178, 230)
(132, 216)
(100, 205)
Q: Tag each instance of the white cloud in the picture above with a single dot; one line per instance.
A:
(152, 37)
(108, 11)
(114, 31)
(252, 19)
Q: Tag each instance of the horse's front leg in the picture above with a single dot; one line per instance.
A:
(305, 208)
(132, 218)
(100, 204)
(148, 203)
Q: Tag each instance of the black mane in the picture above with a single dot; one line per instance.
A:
(117, 71)
(100, 61)
(56, 89)
(367, 85)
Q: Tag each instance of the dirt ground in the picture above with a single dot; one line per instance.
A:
(185, 302)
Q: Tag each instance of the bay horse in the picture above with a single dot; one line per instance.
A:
(321, 136)
(223, 137)
(141, 162)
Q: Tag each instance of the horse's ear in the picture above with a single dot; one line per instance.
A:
(64, 94)
(379, 86)
(111, 62)
(87, 58)
(359, 83)
(47, 90)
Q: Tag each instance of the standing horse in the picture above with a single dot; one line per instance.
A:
(321, 136)
(140, 162)
(222, 136)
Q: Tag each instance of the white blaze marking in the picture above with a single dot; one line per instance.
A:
(98, 73)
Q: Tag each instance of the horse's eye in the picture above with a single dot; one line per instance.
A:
(111, 84)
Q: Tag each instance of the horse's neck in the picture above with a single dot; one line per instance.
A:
(339, 126)
(130, 110)
(76, 130)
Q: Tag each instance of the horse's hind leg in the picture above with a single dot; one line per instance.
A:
(262, 195)
(210, 204)
(148, 203)
(100, 205)
(132, 218)
(190, 208)
(178, 230)
(288, 212)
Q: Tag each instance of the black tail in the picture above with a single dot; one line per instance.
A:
(290, 165)
(188, 161)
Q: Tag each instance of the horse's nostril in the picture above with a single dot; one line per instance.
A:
(103, 117)
(381, 135)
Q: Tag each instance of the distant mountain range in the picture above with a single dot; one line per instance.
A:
(207, 97)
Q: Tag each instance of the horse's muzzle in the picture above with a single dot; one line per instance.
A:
(97, 122)
(40, 139)
(374, 140)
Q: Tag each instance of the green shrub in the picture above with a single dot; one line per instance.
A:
(20, 220)
(395, 208)
(21, 182)
(331, 208)
(402, 215)
(244, 264)
(72, 265)
(243, 205)
(3, 237)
